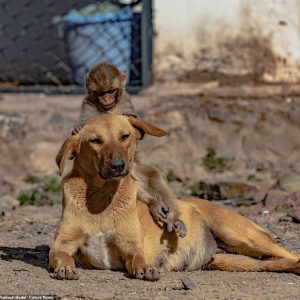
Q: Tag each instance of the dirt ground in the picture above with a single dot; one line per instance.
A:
(25, 237)
(254, 131)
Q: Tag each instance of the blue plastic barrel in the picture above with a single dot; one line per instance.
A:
(98, 38)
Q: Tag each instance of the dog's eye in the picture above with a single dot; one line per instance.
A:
(96, 141)
(125, 136)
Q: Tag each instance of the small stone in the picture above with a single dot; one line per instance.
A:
(274, 199)
(288, 100)
(295, 215)
(8, 203)
(285, 219)
(290, 183)
(11, 126)
(188, 284)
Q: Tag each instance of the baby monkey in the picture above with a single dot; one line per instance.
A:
(106, 94)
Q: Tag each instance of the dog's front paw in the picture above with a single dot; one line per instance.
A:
(179, 227)
(148, 273)
(152, 274)
(66, 272)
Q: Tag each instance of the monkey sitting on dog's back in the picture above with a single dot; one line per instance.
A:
(106, 94)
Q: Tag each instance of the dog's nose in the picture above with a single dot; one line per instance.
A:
(117, 165)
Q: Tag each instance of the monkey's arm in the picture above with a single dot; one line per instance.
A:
(125, 107)
(154, 191)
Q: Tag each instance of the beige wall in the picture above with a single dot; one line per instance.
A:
(255, 30)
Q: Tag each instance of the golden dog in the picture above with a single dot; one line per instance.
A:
(104, 226)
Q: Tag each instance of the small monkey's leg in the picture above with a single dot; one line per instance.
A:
(160, 213)
(154, 190)
(77, 128)
(158, 210)
(164, 195)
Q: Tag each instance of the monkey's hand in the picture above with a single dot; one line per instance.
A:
(77, 128)
(132, 114)
(159, 211)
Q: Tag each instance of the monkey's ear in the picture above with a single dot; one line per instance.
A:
(145, 127)
(69, 149)
(123, 78)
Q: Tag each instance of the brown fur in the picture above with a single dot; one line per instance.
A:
(100, 80)
(153, 188)
(102, 219)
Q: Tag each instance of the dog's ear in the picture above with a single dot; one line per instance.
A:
(145, 127)
(69, 149)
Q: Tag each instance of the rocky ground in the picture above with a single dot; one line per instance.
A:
(237, 145)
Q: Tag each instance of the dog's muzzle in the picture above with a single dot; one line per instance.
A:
(116, 169)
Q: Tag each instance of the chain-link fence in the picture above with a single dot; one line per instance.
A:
(54, 42)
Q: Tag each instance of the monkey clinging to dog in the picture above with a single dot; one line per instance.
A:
(106, 94)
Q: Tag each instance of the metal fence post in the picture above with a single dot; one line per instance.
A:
(146, 42)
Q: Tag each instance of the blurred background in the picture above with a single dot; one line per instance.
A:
(222, 77)
(56, 42)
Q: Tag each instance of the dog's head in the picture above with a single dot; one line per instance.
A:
(106, 145)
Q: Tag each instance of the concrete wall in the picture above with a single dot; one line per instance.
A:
(260, 36)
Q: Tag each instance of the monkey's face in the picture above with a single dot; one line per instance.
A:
(107, 99)
(105, 85)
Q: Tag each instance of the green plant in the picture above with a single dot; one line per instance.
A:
(28, 197)
(171, 176)
(51, 184)
(215, 163)
(48, 183)
(261, 168)
(45, 191)
(33, 179)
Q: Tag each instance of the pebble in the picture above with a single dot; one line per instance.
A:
(188, 284)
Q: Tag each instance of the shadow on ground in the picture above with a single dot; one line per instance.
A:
(37, 256)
